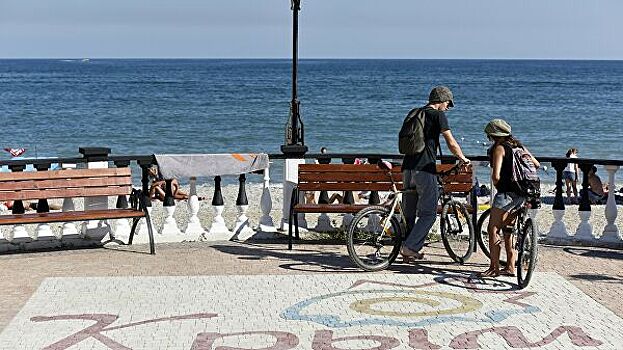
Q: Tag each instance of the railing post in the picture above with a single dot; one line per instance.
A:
(324, 221)
(266, 205)
(348, 199)
(218, 230)
(141, 234)
(194, 227)
(558, 230)
(122, 226)
(97, 158)
(242, 229)
(169, 227)
(611, 232)
(44, 229)
(585, 229)
(19, 231)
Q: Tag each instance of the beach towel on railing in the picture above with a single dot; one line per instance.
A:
(196, 165)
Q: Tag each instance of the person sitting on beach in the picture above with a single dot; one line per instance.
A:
(157, 189)
(597, 192)
(507, 198)
(570, 175)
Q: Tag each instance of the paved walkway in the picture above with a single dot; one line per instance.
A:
(250, 296)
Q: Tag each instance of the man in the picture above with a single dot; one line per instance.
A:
(419, 172)
(596, 193)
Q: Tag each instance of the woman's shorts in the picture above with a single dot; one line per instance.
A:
(508, 201)
(568, 175)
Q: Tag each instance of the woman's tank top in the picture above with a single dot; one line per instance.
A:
(571, 166)
(506, 184)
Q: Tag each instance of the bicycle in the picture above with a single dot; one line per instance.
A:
(375, 234)
(525, 239)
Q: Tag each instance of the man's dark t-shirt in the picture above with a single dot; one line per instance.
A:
(435, 122)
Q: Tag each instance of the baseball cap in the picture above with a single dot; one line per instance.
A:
(441, 94)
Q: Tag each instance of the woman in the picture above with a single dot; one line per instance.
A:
(570, 174)
(506, 199)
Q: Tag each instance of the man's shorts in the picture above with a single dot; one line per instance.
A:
(508, 201)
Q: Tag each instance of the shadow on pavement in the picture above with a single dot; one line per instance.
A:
(595, 253)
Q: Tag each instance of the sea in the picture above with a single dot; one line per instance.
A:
(51, 107)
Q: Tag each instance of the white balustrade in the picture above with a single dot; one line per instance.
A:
(218, 230)
(558, 230)
(96, 229)
(584, 231)
(290, 179)
(611, 232)
(122, 226)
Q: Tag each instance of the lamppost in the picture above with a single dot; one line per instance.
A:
(294, 144)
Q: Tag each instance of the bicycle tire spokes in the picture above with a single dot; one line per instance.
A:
(457, 231)
(373, 239)
(527, 253)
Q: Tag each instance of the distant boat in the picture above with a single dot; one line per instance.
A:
(85, 60)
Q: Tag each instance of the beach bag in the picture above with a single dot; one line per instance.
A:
(525, 174)
(411, 136)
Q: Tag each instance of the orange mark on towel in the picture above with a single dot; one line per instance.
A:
(239, 157)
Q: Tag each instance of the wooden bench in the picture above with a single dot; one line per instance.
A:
(358, 177)
(44, 185)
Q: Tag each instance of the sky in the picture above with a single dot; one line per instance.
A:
(542, 29)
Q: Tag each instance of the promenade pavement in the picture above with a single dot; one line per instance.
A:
(230, 295)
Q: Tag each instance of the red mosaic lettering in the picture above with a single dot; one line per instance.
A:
(515, 338)
(418, 339)
(323, 340)
(283, 340)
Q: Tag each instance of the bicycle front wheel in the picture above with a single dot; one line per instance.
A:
(374, 238)
(457, 231)
(527, 253)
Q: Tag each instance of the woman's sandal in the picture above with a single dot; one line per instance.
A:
(489, 273)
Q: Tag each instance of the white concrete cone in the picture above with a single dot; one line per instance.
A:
(585, 229)
(69, 228)
(42, 230)
(19, 231)
(218, 229)
(346, 220)
(558, 230)
(169, 228)
(374, 223)
(194, 228)
(324, 224)
(242, 229)
(141, 229)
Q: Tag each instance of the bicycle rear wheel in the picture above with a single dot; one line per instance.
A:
(457, 231)
(527, 253)
(374, 238)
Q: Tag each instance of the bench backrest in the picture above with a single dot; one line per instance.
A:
(369, 177)
(49, 184)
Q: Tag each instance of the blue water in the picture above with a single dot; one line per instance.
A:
(52, 107)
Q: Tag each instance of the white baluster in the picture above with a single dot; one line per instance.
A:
(194, 228)
(585, 229)
(69, 228)
(19, 231)
(558, 230)
(242, 229)
(611, 232)
(346, 220)
(266, 205)
(218, 229)
(324, 224)
(142, 235)
(169, 227)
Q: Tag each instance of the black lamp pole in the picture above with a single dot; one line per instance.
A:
(294, 134)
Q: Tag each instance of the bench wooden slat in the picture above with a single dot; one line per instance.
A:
(35, 218)
(66, 183)
(329, 208)
(64, 174)
(66, 193)
(346, 186)
(462, 187)
(347, 176)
